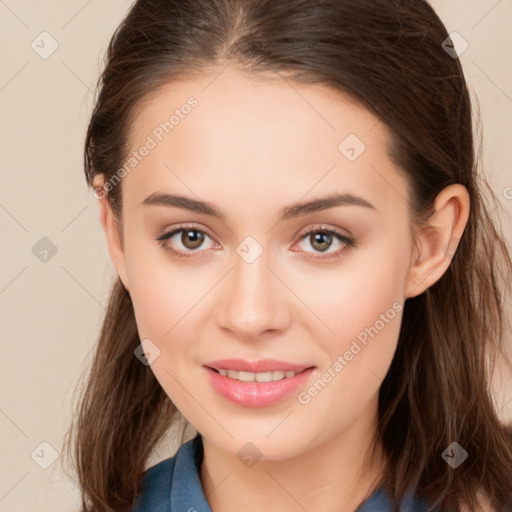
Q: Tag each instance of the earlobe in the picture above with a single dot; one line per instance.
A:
(437, 242)
(112, 230)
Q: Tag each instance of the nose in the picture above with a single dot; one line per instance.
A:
(254, 301)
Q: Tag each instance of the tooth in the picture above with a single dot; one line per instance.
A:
(264, 377)
(246, 376)
(258, 377)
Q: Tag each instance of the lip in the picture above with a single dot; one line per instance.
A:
(257, 394)
(263, 365)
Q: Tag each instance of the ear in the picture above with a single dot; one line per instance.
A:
(437, 242)
(112, 230)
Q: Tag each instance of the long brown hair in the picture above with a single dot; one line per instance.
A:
(388, 55)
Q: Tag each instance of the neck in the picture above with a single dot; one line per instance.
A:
(336, 475)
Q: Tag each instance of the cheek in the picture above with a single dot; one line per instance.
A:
(167, 299)
(348, 317)
(355, 294)
(164, 292)
(357, 316)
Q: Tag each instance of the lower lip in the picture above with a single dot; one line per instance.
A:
(257, 394)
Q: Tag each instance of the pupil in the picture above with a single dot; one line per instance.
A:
(322, 238)
(194, 236)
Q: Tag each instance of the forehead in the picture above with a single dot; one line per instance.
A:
(219, 134)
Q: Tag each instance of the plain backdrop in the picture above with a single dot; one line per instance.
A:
(51, 310)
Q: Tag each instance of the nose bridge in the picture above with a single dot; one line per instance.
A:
(254, 300)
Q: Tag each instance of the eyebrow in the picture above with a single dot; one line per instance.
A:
(288, 212)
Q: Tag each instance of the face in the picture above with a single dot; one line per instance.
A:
(265, 278)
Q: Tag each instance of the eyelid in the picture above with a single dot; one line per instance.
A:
(347, 239)
(176, 228)
(323, 227)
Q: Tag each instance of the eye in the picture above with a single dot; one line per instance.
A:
(322, 239)
(187, 238)
(190, 239)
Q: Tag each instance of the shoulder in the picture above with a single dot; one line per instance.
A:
(173, 482)
(156, 484)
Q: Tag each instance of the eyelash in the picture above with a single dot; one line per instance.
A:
(347, 241)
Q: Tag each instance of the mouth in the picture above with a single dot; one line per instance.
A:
(258, 389)
(268, 376)
(259, 366)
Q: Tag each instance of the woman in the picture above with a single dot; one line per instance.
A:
(307, 267)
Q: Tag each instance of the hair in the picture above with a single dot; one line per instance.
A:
(387, 55)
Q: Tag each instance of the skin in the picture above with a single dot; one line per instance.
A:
(252, 146)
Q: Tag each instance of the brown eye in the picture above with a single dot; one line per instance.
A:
(192, 238)
(321, 240)
(187, 240)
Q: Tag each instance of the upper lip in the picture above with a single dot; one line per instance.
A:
(263, 365)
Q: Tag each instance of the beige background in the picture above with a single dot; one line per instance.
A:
(51, 312)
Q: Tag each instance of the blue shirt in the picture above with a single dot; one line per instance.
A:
(173, 485)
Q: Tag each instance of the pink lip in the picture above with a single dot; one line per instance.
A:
(263, 365)
(257, 394)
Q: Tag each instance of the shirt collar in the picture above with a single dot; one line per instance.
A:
(186, 491)
(187, 494)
